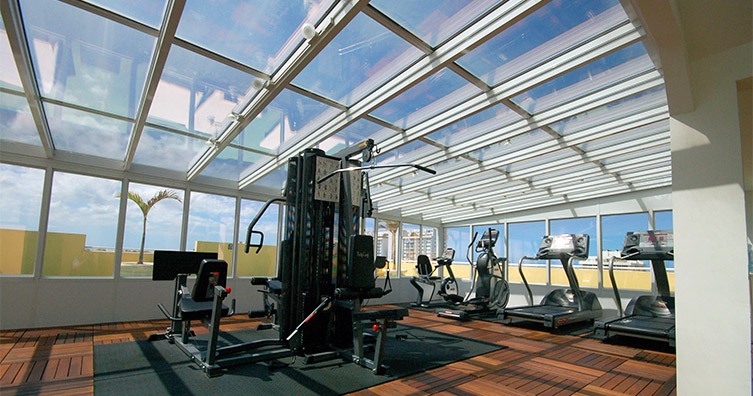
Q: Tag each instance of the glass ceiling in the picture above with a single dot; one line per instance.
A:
(514, 105)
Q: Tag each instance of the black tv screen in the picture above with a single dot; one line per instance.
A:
(169, 263)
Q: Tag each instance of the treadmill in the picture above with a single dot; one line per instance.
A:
(647, 316)
(560, 306)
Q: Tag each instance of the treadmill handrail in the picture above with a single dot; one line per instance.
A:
(617, 299)
(574, 286)
(525, 282)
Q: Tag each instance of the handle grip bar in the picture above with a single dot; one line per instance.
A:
(251, 225)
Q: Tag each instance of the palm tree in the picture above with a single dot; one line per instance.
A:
(145, 207)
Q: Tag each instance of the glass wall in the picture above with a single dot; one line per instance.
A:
(263, 263)
(154, 216)
(210, 225)
(82, 226)
(387, 244)
(631, 274)
(524, 240)
(663, 221)
(410, 244)
(585, 270)
(458, 238)
(21, 200)
(429, 242)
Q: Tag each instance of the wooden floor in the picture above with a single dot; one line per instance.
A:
(59, 361)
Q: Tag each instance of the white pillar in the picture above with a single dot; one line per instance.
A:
(712, 290)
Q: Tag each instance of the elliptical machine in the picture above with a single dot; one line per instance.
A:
(448, 289)
(488, 291)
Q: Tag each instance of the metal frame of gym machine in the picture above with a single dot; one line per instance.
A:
(325, 266)
(557, 308)
(646, 316)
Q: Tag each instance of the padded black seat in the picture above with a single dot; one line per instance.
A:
(198, 305)
(424, 268)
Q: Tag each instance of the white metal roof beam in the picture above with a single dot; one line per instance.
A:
(600, 182)
(444, 204)
(474, 35)
(330, 26)
(574, 197)
(14, 27)
(157, 65)
(586, 52)
(631, 86)
(496, 183)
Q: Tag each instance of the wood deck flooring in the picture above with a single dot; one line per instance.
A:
(59, 361)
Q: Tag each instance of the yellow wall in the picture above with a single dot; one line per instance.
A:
(64, 255)
(17, 252)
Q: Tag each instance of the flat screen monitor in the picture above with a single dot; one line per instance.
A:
(169, 263)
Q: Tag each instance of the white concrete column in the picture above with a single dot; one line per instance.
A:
(712, 290)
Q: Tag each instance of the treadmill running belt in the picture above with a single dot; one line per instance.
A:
(646, 325)
(537, 311)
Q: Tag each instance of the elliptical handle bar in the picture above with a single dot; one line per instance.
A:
(468, 251)
(251, 225)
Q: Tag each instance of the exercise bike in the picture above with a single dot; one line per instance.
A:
(448, 288)
(489, 291)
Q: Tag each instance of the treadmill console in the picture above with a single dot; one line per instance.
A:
(487, 240)
(649, 245)
(563, 247)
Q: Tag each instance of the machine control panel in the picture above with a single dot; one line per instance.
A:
(563, 246)
(649, 245)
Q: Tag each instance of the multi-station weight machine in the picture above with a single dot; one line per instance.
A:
(325, 271)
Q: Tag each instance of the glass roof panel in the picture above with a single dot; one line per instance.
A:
(349, 136)
(87, 133)
(598, 74)
(439, 92)
(441, 168)
(17, 123)
(609, 141)
(622, 108)
(492, 118)
(167, 150)
(542, 159)
(289, 115)
(431, 20)
(511, 145)
(635, 154)
(550, 30)
(363, 56)
(148, 12)
(414, 149)
(231, 162)
(8, 74)
(195, 93)
(257, 33)
(275, 180)
(84, 59)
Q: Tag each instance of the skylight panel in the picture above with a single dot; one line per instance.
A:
(196, 94)
(148, 12)
(511, 145)
(286, 119)
(648, 130)
(598, 74)
(167, 150)
(87, 133)
(17, 122)
(492, 118)
(84, 59)
(231, 162)
(349, 136)
(540, 160)
(257, 33)
(359, 59)
(275, 180)
(431, 96)
(634, 104)
(8, 73)
(550, 30)
(433, 21)
(413, 149)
